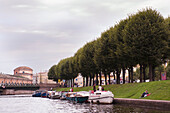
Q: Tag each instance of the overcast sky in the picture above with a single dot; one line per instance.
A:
(39, 33)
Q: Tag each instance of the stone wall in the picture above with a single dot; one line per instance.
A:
(145, 103)
(16, 92)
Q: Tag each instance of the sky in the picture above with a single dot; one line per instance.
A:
(39, 33)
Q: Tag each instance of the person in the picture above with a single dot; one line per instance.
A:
(94, 88)
(144, 94)
(100, 88)
(71, 90)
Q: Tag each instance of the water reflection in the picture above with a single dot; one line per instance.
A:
(28, 104)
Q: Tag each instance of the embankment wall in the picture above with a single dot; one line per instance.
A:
(16, 92)
(145, 103)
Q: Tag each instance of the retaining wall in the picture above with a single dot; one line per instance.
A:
(16, 92)
(145, 103)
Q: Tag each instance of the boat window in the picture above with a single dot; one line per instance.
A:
(98, 93)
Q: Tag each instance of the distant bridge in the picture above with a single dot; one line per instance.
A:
(6, 89)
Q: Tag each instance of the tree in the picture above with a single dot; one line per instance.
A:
(87, 64)
(146, 38)
(120, 46)
(97, 57)
(52, 74)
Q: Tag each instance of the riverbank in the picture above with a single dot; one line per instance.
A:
(160, 90)
(144, 103)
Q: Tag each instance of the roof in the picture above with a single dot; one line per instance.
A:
(12, 77)
(23, 68)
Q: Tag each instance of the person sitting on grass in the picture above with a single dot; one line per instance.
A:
(144, 94)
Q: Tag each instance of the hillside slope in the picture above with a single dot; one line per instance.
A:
(160, 90)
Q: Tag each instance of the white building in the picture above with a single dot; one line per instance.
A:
(79, 80)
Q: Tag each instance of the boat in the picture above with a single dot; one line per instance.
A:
(80, 99)
(44, 94)
(103, 97)
(70, 95)
(63, 95)
(55, 95)
(50, 93)
(77, 97)
(37, 93)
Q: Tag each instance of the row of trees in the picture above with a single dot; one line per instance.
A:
(142, 38)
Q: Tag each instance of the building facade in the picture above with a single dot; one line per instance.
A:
(79, 81)
(42, 77)
(24, 71)
(13, 79)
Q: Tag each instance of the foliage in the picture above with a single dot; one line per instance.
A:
(51, 73)
(142, 38)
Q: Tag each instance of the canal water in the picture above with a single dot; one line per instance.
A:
(28, 104)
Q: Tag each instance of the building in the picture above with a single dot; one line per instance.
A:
(42, 77)
(24, 71)
(79, 81)
(13, 79)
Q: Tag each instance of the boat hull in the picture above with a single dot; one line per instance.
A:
(101, 100)
(36, 95)
(44, 95)
(102, 97)
(81, 99)
(55, 97)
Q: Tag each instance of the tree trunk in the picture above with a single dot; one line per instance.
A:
(73, 82)
(118, 76)
(114, 75)
(129, 75)
(100, 78)
(150, 72)
(83, 82)
(123, 75)
(97, 80)
(105, 75)
(93, 78)
(153, 73)
(144, 73)
(87, 80)
(90, 79)
(109, 77)
(141, 73)
(131, 69)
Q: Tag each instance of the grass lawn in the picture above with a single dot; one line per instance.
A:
(160, 90)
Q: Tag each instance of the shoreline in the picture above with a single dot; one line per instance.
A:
(144, 103)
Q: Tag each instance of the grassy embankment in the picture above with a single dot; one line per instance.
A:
(160, 90)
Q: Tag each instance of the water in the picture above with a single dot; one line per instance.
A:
(28, 104)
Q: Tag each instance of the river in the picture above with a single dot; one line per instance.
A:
(28, 104)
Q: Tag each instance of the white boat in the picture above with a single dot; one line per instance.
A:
(83, 93)
(50, 93)
(55, 95)
(103, 97)
(63, 95)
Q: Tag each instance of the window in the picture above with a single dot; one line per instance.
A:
(23, 72)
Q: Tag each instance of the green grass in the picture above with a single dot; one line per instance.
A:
(160, 90)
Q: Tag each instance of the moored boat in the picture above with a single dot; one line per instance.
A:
(55, 95)
(37, 93)
(50, 93)
(44, 94)
(78, 97)
(103, 97)
(63, 95)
